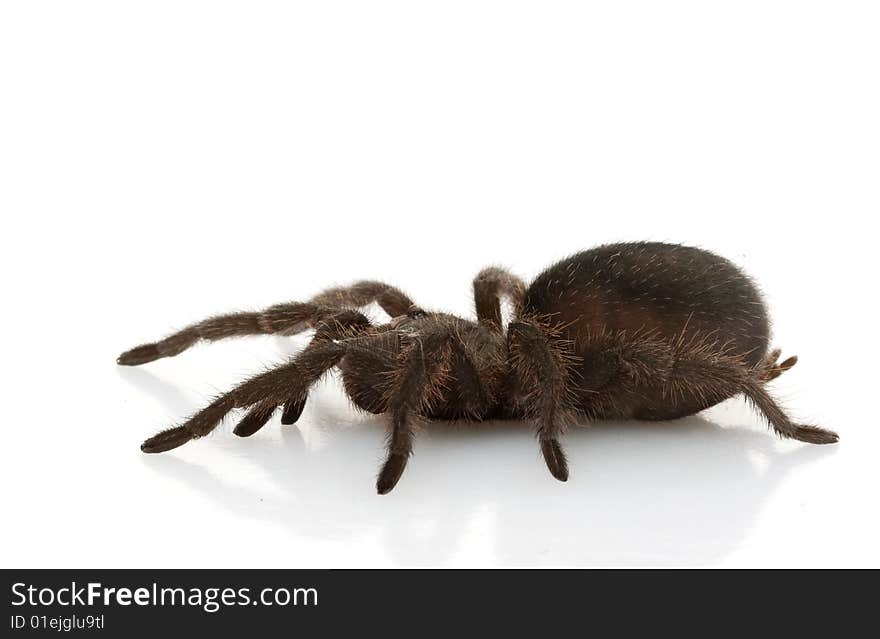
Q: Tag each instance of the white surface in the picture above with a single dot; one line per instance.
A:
(165, 161)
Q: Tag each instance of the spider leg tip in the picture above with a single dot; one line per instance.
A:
(560, 473)
(122, 360)
(383, 489)
(815, 435)
(139, 355)
(292, 411)
(555, 459)
(391, 472)
(149, 447)
(167, 440)
(386, 484)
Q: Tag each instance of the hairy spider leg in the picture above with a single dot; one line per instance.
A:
(391, 299)
(418, 381)
(490, 286)
(263, 393)
(709, 374)
(344, 324)
(541, 365)
(699, 373)
(288, 318)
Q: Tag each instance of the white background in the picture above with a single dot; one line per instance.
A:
(163, 161)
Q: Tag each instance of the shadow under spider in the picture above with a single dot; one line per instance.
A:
(684, 492)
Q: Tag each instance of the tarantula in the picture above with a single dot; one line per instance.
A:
(642, 330)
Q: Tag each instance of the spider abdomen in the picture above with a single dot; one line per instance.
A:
(633, 313)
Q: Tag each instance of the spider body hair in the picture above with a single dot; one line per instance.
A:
(640, 330)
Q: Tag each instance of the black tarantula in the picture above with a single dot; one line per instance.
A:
(639, 330)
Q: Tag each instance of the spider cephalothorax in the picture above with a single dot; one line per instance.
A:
(640, 331)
